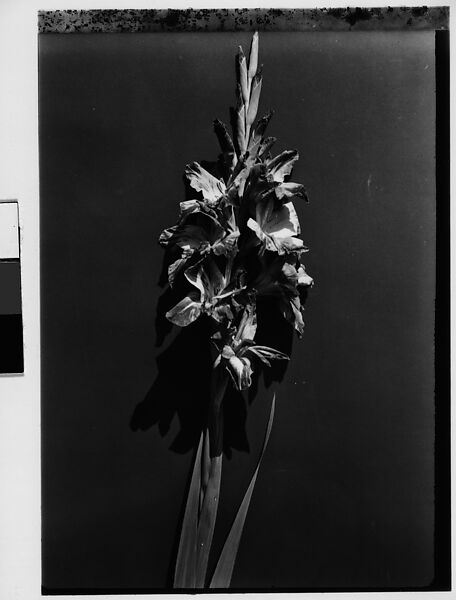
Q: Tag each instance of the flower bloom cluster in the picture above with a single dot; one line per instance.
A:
(238, 238)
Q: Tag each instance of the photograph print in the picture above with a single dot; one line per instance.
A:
(240, 302)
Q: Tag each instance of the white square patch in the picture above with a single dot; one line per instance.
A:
(9, 230)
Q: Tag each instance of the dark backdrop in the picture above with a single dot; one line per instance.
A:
(345, 493)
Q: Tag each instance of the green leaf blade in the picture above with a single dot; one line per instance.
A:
(185, 571)
(225, 566)
(207, 519)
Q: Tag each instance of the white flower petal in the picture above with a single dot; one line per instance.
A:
(195, 276)
(174, 269)
(202, 181)
(283, 223)
(290, 190)
(254, 226)
(226, 246)
(189, 206)
(241, 372)
(248, 325)
(303, 278)
(185, 312)
(289, 244)
(282, 165)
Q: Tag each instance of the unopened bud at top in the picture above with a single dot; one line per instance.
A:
(253, 58)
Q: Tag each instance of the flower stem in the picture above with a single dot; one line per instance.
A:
(211, 473)
(228, 268)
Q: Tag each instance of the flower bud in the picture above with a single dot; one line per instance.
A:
(254, 99)
(253, 58)
(242, 73)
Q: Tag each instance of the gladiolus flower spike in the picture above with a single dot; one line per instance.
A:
(249, 211)
(235, 241)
